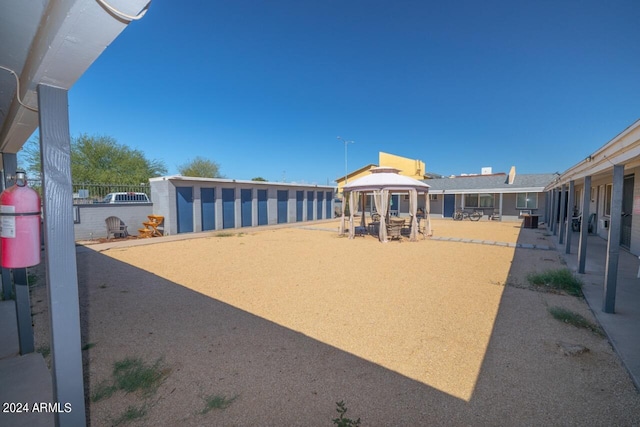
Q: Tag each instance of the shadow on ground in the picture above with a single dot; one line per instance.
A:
(283, 377)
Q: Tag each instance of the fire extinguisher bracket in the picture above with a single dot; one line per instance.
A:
(19, 213)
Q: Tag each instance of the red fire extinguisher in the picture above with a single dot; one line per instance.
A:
(19, 225)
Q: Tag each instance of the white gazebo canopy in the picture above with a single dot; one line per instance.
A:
(382, 182)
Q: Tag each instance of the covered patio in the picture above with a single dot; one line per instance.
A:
(381, 183)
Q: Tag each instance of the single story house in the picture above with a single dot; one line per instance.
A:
(499, 195)
(604, 191)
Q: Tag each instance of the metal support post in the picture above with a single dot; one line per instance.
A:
(60, 255)
(554, 211)
(584, 228)
(563, 212)
(613, 242)
(570, 205)
(23, 311)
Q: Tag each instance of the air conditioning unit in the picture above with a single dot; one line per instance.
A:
(604, 223)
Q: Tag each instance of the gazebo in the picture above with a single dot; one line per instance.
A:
(382, 182)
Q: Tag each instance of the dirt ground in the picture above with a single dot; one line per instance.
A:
(290, 321)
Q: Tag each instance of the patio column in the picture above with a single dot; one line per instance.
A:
(60, 255)
(570, 205)
(563, 212)
(613, 242)
(500, 207)
(584, 228)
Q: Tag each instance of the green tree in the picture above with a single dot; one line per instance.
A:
(100, 160)
(200, 167)
(259, 178)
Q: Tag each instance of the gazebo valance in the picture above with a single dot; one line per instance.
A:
(382, 182)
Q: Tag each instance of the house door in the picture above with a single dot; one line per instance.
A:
(185, 209)
(449, 205)
(627, 210)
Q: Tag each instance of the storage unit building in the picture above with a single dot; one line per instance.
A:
(191, 204)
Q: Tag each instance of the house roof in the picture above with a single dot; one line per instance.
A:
(496, 183)
(238, 181)
(624, 148)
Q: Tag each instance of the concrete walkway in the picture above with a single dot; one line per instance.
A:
(493, 243)
(23, 379)
(623, 327)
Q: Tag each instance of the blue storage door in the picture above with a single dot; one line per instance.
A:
(328, 200)
(184, 197)
(319, 206)
(449, 205)
(263, 211)
(309, 205)
(283, 200)
(246, 199)
(208, 197)
(228, 208)
(299, 205)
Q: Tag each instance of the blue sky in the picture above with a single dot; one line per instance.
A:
(265, 87)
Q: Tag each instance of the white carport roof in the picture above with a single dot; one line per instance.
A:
(52, 42)
(388, 179)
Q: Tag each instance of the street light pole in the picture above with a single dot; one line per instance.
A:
(346, 169)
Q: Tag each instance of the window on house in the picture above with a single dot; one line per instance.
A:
(607, 199)
(470, 200)
(433, 197)
(483, 200)
(527, 201)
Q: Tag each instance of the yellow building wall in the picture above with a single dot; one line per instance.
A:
(352, 177)
(408, 167)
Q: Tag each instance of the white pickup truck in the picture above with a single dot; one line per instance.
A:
(126, 198)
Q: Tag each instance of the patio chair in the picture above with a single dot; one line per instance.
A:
(394, 228)
(116, 226)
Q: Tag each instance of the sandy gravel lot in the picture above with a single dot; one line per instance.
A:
(291, 320)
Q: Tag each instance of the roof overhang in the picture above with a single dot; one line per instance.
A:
(50, 42)
(194, 179)
(623, 149)
(491, 190)
(379, 179)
